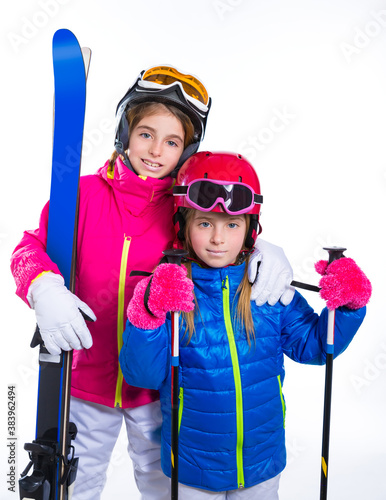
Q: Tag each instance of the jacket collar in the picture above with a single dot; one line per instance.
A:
(209, 279)
(136, 192)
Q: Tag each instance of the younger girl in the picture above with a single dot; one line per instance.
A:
(231, 405)
(125, 214)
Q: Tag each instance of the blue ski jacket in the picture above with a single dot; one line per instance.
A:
(231, 405)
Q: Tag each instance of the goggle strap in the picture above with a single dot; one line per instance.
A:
(180, 190)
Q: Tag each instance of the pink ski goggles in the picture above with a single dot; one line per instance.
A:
(203, 194)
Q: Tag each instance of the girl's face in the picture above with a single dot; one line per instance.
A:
(156, 144)
(217, 238)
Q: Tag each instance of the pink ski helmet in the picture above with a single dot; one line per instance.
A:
(218, 182)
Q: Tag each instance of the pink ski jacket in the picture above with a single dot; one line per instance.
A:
(125, 222)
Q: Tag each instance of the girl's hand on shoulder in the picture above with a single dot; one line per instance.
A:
(271, 274)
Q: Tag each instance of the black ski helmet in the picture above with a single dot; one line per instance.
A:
(166, 85)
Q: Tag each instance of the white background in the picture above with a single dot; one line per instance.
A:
(321, 67)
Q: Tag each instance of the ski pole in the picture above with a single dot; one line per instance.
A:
(174, 256)
(335, 253)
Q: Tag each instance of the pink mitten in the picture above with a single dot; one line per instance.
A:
(170, 290)
(343, 284)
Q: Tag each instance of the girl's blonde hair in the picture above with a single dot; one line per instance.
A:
(136, 113)
(242, 313)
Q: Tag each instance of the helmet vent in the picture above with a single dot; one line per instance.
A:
(206, 175)
(240, 178)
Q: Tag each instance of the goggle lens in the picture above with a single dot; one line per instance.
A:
(236, 198)
(166, 75)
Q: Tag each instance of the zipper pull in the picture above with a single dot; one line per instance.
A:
(224, 279)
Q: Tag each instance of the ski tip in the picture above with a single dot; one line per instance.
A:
(86, 53)
(63, 32)
(67, 54)
(64, 38)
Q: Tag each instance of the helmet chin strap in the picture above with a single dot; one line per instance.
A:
(253, 231)
(127, 163)
(119, 148)
(187, 153)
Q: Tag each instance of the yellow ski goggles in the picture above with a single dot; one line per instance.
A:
(166, 75)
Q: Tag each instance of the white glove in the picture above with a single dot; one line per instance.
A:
(57, 314)
(270, 273)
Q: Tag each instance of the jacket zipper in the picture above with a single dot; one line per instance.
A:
(282, 399)
(238, 387)
(180, 408)
(121, 316)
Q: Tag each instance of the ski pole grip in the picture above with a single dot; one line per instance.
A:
(174, 255)
(334, 253)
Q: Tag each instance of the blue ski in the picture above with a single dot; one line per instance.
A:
(51, 453)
